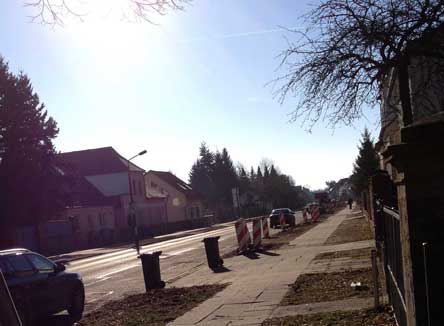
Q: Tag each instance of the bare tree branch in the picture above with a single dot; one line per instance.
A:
(336, 67)
(54, 12)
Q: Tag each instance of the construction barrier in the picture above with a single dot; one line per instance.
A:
(315, 213)
(257, 233)
(265, 228)
(305, 215)
(243, 235)
(282, 220)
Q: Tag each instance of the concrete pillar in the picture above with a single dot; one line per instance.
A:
(419, 175)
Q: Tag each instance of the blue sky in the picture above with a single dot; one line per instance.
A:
(200, 75)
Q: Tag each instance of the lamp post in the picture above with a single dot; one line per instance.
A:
(132, 220)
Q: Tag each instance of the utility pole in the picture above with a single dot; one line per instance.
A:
(132, 218)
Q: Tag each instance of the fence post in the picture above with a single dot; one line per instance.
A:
(8, 313)
(424, 248)
(375, 279)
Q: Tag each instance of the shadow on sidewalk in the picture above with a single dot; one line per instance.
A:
(269, 253)
(251, 255)
(221, 269)
(57, 320)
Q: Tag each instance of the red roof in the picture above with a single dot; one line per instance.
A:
(96, 161)
(177, 183)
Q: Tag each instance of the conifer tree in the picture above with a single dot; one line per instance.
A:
(366, 164)
(30, 187)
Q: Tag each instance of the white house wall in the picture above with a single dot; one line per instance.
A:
(177, 201)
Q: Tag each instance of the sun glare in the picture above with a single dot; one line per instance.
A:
(110, 38)
(111, 42)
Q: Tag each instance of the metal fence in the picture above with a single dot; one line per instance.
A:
(388, 235)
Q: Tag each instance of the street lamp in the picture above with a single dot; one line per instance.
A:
(131, 210)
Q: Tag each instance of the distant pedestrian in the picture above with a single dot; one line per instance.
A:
(350, 203)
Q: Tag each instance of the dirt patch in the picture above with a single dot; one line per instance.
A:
(154, 308)
(352, 230)
(365, 317)
(364, 253)
(321, 287)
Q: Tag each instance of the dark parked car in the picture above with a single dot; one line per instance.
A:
(40, 287)
(290, 218)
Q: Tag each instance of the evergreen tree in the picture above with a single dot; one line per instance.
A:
(366, 164)
(244, 181)
(200, 179)
(201, 174)
(252, 175)
(231, 179)
(259, 173)
(30, 187)
(224, 177)
(206, 158)
(273, 172)
(214, 175)
(266, 172)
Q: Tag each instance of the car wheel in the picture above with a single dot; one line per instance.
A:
(75, 310)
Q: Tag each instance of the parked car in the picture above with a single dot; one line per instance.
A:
(290, 218)
(41, 287)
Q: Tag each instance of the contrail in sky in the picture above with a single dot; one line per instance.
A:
(238, 35)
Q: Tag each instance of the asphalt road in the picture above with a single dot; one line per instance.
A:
(117, 274)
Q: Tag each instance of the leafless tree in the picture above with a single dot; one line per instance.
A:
(338, 64)
(55, 12)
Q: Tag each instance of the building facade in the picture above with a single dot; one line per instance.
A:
(184, 206)
(101, 184)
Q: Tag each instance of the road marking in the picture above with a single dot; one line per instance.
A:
(105, 295)
(101, 259)
(178, 252)
(147, 247)
(97, 281)
(117, 271)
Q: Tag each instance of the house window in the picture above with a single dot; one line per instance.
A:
(197, 212)
(191, 212)
(153, 185)
(102, 219)
(90, 222)
(75, 222)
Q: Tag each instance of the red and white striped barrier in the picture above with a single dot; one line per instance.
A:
(305, 215)
(265, 228)
(282, 220)
(243, 235)
(257, 233)
(315, 213)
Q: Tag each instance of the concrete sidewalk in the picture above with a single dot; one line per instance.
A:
(256, 285)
